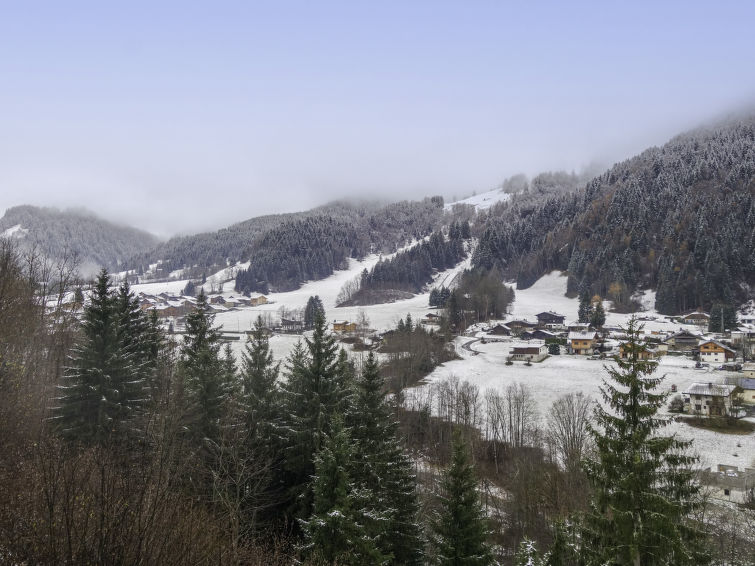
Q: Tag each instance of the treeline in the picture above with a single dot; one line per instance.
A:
(409, 270)
(95, 241)
(313, 247)
(144, 450)
(679, 218)
(380, 227)
(147, 451)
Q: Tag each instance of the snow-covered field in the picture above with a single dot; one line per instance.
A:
(558, 375)
(483, 201)
(548, 380)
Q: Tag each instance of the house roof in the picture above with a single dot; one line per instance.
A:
(549, 313)
(710, 389)
(717, 343)
(697, 314)
(584, 335)
(526, 349)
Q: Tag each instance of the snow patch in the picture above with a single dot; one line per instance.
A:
(483, 201)
(16, 231)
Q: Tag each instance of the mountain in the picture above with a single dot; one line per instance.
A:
(96, 242)
(679, 219)
(284, 250)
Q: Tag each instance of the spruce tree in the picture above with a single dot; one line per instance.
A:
(644, 486)
(598, 315)
(585, 306)
(259, 395)
(103, 388)
(382, 470)
(311, 396)
(336, 532)
(204, 374)
(461, 527)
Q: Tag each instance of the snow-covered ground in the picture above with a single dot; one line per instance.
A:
(16, 231)
(483, 201)
(558, 375)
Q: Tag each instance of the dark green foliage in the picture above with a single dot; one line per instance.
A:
(461, 528)
(412, 269)
(312, 244)
(439, 297)
(598, 315)
(259, 395)
(585, 306)
(205, 375)
(678, 218)
(722, 318)
(313, 309)
(336, 532)
(104, 388)
(644, 485)
(190, 289)
(311, 395)
(382, 472)
(554, 349)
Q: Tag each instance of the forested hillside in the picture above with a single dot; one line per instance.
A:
(679, 219)
(58, 232)
(312, 246)
(410, 270)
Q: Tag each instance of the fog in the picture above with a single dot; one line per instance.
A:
(182, 119)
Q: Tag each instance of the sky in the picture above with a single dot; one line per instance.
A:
(178, 117)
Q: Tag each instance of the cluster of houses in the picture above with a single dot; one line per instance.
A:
(168, 305)
(703, 398)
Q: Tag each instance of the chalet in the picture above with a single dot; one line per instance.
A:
(748, 390)
(714, 352)
(583, 343)
(519, 326)
(529, 353)
(344, 326)
(682, 341)
(432, 318)
(697, 317)
(219, 300)
(708, 399)
(538, 334)
(643, 354)
(257, 300)
(550, 319)
(500, 330)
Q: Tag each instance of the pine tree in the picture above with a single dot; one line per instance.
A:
(598, 315)
(644, 488)
(336, 533)
(723, 317)
(382, 470)
(103, 387)
(312, 310)
(585, 306)
(311, 395)
(461, 528)
(259, 374)
(204, 374)
(527, 555)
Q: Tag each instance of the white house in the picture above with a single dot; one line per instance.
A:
(708, 399)
(529, 353)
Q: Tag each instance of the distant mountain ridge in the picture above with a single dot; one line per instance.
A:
(97, 242)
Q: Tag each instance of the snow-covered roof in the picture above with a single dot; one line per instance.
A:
(586, 335)
(710, 389)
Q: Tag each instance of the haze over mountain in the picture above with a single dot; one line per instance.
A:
(223, 114)
(58, 233)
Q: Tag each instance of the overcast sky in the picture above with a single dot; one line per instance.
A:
(187, 116)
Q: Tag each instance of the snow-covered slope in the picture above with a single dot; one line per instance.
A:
(483, 201)
(15, 231)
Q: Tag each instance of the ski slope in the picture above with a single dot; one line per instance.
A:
(483, 201)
